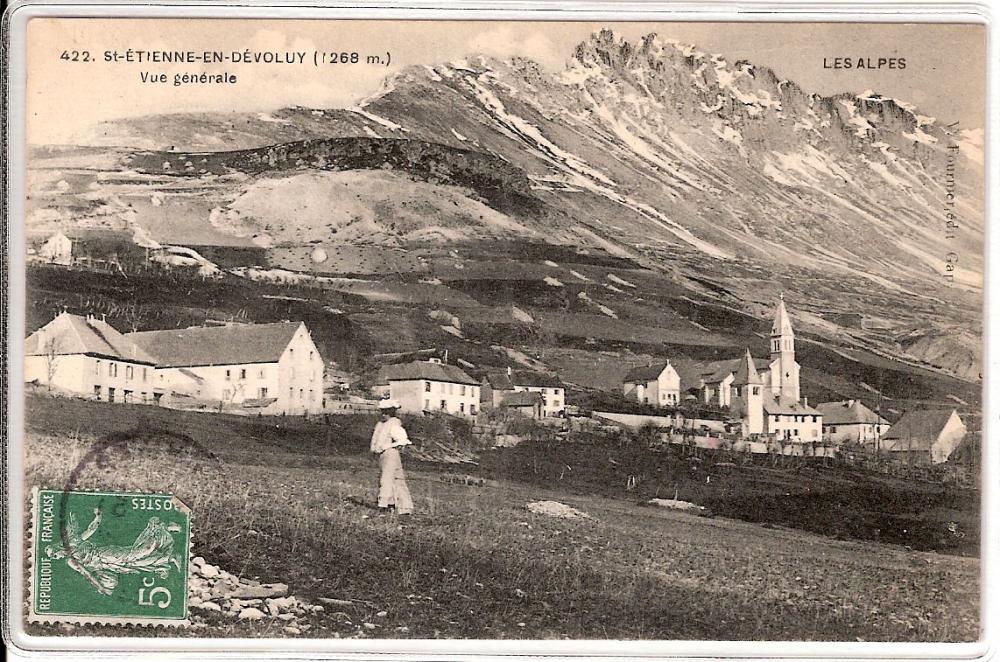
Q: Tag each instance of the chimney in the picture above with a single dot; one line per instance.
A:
(509, 371)
(850, 403)
(805, 401)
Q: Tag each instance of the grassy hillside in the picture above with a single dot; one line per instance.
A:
(269, 502)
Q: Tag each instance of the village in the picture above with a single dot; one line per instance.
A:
(754, 405)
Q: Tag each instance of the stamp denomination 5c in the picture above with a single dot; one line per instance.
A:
(109, 557)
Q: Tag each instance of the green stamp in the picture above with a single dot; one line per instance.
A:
(109, 557)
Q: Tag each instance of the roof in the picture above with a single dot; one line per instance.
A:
(433, 372)
(782, 324)
(746, 373)
(716, 371)
(645, 373)
(788, 406)
(501, 381)
(217, 345)
(924, 424)
(536, 379)
(73, 334)
(522, 399)
(848, 412)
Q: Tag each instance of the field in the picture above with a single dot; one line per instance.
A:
(269, 501)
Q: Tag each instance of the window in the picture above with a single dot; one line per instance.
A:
(262, 392)
(143, 397)
(796, 433)
(461, 407)
(291, 352)
(97, 391)
(555, 403)
(127, 396)
(243, 373)
(261, 373)
(129, 372)
(427, 405)
(229, 374)
(556, 391)
(291, 393)
(310, 395)
(226, 394)
(301, 394)
(472, 409)
(111, 394)
(312, 375)
(463, 389)
(756, 390)
(112, 369)
(427, 387)
(833, 428)
(443, 404)
(545, 390)
(815, 419)
(145, 374)
(97, 367)
(310, 356)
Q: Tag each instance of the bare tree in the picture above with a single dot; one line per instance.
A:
(51, 346)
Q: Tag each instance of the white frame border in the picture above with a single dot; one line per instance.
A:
(15, 23)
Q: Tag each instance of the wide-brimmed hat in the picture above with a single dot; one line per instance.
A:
(388, 404)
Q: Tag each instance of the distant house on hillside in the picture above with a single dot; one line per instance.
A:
(850, 421)
(268, 368)
(424, 386)
(924, 437)
(89, 357)
(499, 385)
(57, 249)
(657, 384)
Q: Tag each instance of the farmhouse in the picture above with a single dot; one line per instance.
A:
(658, 385)
(268, 368)
(850, 421)
(57, 249)
(497, 386)
(90, 358)
(423, 386)
(925, 436)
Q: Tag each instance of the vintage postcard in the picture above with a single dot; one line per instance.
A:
(385, 329)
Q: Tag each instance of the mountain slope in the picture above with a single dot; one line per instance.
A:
(733, 181)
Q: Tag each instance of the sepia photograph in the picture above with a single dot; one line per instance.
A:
(502, 330)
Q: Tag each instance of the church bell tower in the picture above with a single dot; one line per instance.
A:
(784, 369)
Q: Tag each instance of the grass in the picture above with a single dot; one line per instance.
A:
(269, 502)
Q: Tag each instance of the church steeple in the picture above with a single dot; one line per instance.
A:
(785, 371)
(782, 327)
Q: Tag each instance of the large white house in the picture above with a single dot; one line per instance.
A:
(426, 386)
(89, 357)
(658, 384)
(268, 368)
(850, 421)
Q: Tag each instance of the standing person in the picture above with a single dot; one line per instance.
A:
(389, 436)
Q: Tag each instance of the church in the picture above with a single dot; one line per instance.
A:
(768, 401)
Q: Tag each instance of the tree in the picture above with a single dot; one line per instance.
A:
(51, 346)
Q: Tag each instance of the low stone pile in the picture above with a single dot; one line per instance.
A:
(212, 589)
(556, 509)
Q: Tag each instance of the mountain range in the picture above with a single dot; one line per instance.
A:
(721, 175)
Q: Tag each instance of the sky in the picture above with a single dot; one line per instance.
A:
(945, 74)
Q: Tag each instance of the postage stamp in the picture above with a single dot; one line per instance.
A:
(109, 557)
